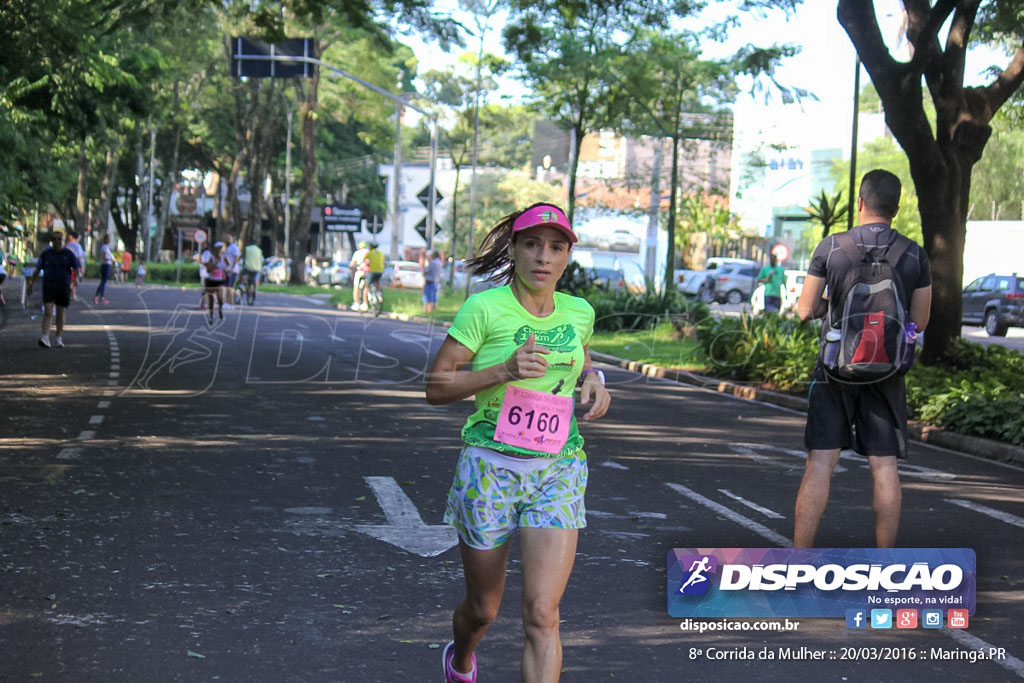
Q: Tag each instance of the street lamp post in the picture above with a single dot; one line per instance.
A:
(853, 144)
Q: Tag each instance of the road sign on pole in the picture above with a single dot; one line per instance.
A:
(249, 58)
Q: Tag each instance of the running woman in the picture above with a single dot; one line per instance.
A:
(523, 464)
(106, 265)
(216, 278)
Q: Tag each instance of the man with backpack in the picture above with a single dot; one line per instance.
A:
(879, 294)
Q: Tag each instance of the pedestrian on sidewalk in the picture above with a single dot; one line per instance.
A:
(233, 255)
(126, 265)
(56, 263)
(106, 267)
(526, 346)
(772, 276)
(431, 281)
(140, 273)
(878, 409)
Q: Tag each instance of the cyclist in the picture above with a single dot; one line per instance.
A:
(252, 262)
(375, 268)
(359, 268)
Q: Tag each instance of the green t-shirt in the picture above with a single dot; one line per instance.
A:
(774, 286)
(253, 259)
(493, 324)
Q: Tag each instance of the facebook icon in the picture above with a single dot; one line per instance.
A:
(856, 618)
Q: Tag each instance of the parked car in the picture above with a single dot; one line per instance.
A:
(403, 274)
(460, 274)
(276, 270)
(701, 283)
(625, 275)
(995, 301)
(791, 290)
(334, 273)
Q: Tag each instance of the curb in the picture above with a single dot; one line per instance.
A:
(929, 434)
(935, 436)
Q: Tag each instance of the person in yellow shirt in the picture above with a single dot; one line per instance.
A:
(375, 260)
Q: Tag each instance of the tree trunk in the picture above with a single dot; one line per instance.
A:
(300, 226)
(108, 191)
(670, 256)
(82, 194)
(574, 161)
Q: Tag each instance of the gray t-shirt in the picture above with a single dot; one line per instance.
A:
(432, 273)
(830, 262)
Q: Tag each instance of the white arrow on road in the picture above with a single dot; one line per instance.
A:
(405, 527)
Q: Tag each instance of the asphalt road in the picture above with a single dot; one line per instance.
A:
(261, 501)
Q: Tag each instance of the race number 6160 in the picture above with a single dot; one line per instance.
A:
(546, 422)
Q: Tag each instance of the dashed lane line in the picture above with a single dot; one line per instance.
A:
(991, 512)
(771, 514)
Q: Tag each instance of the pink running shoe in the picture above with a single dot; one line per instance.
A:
(104, 301)
(450, 674)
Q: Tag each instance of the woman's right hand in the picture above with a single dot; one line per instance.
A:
(527, 361)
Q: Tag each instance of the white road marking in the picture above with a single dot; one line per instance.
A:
(86, 435)
(96, 420)
(110, 393)
(975, 643)
(111, 382)
(991, 512)
(115, 368)
(69, 454)
(745, 522)
(405, 527)
(771, 514)
(115, 375)
(103, 404)
(614, 465)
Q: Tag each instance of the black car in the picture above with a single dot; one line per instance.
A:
(995, 301)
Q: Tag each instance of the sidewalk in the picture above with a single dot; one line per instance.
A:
(935, 436)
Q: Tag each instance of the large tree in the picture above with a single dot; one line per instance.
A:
(941, 156)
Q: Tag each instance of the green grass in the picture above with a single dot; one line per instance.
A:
(658, 346)
(408, 302)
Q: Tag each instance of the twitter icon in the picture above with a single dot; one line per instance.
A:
(881, 618)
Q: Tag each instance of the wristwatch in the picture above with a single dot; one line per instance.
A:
(599, 373)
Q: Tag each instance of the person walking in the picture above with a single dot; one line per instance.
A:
(126, 265)
(216, 278)
(56, 263)
(77, 276)
(233, 255)
(878, 409)
(522, 465)
(106, 266)
(772, 276)
(431, 281)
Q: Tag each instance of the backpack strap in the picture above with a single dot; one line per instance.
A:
(854, 254)
(897, 249)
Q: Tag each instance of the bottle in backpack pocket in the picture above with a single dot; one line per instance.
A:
(909, 344)
(830, 357)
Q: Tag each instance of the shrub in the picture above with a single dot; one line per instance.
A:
(774, 350)
(623, 310)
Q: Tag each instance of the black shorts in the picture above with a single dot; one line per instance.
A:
(59, 294)
(870, 418)
(373, 278)
(210, 284)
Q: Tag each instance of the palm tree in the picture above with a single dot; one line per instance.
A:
(827, 210)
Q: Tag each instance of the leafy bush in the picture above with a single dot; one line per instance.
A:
(774, 350)
(623, 310)
(978, 409)
(155, 272)
(576, 279)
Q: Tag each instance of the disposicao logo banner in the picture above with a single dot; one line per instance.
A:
(817, 582)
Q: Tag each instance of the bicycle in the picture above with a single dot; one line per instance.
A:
(245, 288)
(374, 297)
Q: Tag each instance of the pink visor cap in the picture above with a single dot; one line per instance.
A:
(544, 214)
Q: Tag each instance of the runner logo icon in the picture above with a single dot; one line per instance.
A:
(698, 566)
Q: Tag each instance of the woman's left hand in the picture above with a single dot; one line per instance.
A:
(592, 388)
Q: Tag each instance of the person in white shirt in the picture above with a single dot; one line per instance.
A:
(233, 256)
(106, 267)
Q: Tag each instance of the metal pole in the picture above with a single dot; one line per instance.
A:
(396, 194)
(652, 215)
(177, 270)
(149, 199)
(853, 146)
(433, 189)
(472, 177)
(287, 187)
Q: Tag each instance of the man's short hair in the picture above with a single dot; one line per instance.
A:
(72, 234)
(880, 191)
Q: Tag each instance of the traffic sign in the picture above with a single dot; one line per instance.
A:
(781, 252)
(424, 196)
(253, 58)
(342, 218)
(186, 204)
(199, 236)
(421, 228)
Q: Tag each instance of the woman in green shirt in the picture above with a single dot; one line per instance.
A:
(523, 465)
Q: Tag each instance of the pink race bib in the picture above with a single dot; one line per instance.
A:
(534, 420)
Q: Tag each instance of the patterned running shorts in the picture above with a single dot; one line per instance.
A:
(487, 501)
